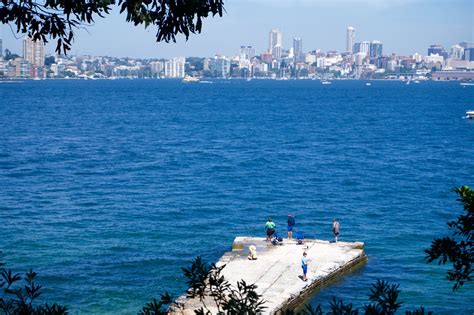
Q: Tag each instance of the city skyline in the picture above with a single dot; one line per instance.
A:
(398, 24)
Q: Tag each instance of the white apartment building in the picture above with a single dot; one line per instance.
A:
(174, 68)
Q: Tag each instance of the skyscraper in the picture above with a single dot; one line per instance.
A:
(33, 52)
(274, 40)
(298, 49)
(1, 48)
(375, 50)
(350, 38)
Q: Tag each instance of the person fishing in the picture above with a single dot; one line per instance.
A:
(270, 228)
(335, 229)
(291, 223)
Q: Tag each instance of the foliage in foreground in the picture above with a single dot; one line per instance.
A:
(59, 19)
(206, 280)
(458, 250)
(18, 295)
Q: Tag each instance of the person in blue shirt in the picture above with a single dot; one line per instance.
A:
(291, 224)
(304, 265)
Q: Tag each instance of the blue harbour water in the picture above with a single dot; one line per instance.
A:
(110, 187)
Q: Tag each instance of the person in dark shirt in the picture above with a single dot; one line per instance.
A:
(291, 224)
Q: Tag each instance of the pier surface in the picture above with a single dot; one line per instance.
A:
(277, 271)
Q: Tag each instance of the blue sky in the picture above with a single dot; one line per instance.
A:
(404, 27)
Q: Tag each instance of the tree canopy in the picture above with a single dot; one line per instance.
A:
(458, 250)
(58, 19)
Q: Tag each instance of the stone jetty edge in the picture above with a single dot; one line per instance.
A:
(298, 300)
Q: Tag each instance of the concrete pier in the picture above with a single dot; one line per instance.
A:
(277, 271)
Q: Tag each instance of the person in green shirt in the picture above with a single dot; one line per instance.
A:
(270, 227)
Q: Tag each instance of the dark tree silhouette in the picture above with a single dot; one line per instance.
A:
(458, 250)
(58, 19)
(18, 295)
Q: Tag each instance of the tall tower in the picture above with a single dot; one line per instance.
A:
(33, 52)
(350, 39)
(275, 39)
(298, 49)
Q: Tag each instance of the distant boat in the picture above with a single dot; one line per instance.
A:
(408, 82)
(416, 81)
(190, 79)
(325, 82)
(368, 84)
(469, 114)
(466, 84)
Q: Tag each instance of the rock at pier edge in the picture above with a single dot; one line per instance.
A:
(277, 271)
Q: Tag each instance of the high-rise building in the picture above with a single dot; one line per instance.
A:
(457, 52)
(174, 68)
(468, 50)
(365, 47)
(277, 52)
(1, 48)
(375, 50)
(469, 54)
(362, 47)
(33, 52)
(298, 49)
(275, 39)
(350, 39)
(437, 50)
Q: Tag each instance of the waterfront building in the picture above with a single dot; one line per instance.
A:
(3, 69)
(174, 68)
(452, 75)
(33, 51)
(434, 60)
(1, 48)
(298, 49)
(220, 66)
(156, 67)
(350, 39)
(21, 68)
